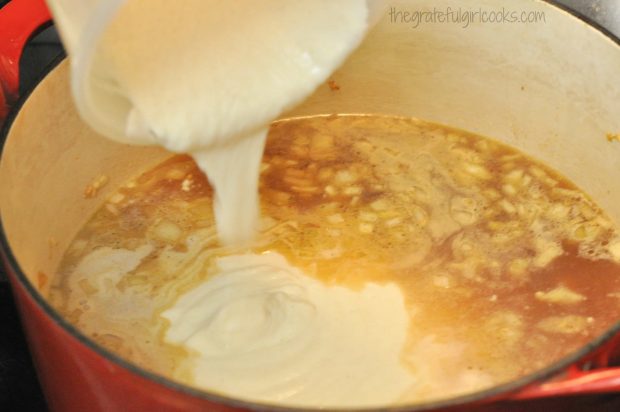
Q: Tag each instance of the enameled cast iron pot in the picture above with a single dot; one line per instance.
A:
(551, 89)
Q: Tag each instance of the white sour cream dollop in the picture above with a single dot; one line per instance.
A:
(260, 329)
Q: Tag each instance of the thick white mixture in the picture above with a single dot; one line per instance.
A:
(260, 329)
(264, 330)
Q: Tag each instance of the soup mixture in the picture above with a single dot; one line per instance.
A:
(397, 261)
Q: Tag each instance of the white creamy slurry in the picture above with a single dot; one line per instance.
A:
(262, 330)
(210, 83)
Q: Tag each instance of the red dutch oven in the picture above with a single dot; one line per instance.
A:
(550, 88)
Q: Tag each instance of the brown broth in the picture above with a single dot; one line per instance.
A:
(505, 265)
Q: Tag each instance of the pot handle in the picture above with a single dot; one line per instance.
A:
(19, 20)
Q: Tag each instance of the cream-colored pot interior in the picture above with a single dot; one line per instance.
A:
(551, 89)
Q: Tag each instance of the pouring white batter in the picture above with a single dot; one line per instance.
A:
(211, 82)
(209, 85)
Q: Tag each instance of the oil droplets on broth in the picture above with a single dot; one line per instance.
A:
(468, 265)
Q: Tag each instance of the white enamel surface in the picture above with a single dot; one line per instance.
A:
(550, 89)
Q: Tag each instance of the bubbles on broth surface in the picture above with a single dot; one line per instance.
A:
(504, 265)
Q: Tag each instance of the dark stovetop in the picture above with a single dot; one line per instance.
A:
(19, 388)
